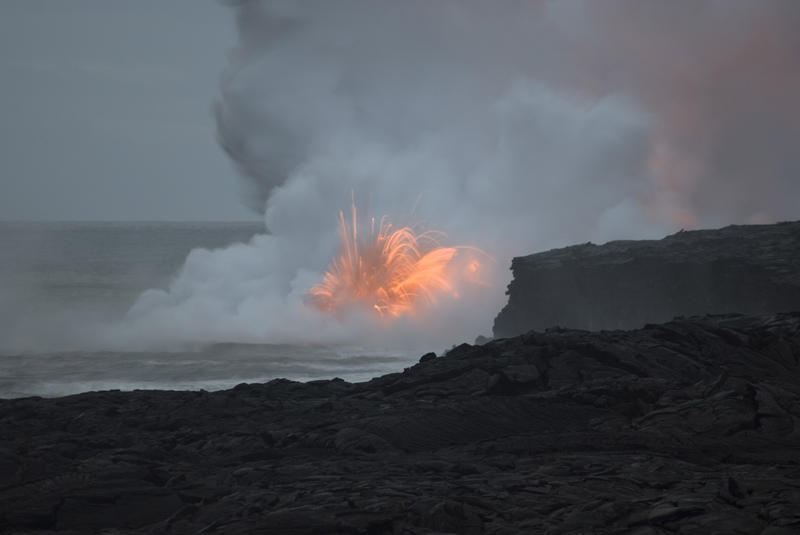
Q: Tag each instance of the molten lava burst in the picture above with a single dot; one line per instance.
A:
(391, 270)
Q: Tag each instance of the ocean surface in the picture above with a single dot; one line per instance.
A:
(56, 276)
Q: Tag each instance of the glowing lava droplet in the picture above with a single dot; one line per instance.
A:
(393, 271)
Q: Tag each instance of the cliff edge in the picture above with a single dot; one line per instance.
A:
(749, 269)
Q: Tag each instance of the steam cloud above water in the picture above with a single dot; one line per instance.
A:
(510, 126)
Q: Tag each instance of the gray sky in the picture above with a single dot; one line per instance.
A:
(106, 111)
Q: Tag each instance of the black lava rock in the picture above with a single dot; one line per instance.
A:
(427, 356)
(691, 426)
(750, 269)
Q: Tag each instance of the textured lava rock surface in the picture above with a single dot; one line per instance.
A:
(750, 269)
(692, 426)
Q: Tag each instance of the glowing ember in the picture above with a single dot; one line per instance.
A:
(391, 270)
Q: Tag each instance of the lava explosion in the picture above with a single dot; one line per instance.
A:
(392, 270)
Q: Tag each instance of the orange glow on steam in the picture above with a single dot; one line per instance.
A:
(392, 271)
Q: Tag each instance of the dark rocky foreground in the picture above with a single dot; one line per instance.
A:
(750, 269)
(688, 427)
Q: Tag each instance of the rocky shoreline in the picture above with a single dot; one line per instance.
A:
(692, 426)
(748, 269)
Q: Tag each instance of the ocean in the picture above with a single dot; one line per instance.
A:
(55, 277)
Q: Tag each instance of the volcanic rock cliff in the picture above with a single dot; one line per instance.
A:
(750, 269)
(689, 427)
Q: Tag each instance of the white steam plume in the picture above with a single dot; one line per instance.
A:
(518, 126)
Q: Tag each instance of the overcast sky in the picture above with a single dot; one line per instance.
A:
(106, 111)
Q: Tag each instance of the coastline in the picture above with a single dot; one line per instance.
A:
(691, 424)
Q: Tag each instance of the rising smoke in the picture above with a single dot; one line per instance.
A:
(511, 126)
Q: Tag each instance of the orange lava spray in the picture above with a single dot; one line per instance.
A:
(393, 271)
